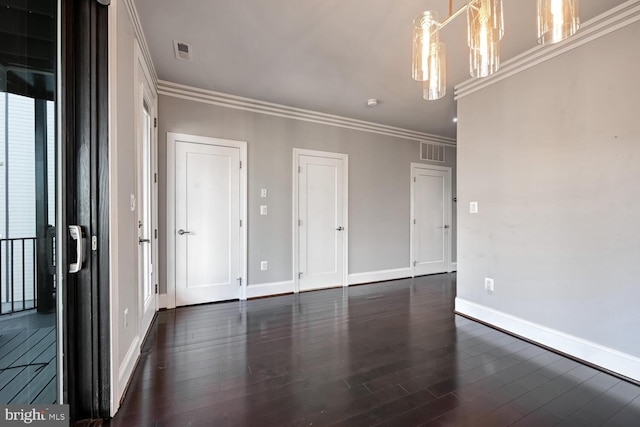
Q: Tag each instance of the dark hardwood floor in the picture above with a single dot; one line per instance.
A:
(388, 354)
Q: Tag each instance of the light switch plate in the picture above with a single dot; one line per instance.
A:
(264, 265)
(473, 207)
(133, 202)
(263, 193)
(263, 209)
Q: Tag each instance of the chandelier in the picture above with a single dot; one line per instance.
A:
(557, 20)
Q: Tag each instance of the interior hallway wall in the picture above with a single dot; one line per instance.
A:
(379, 184)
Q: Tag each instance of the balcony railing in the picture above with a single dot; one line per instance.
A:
(18, 274)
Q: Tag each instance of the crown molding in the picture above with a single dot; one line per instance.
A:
(610, 21)
(176, 90)
(144, 47)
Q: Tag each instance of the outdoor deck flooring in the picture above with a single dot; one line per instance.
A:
(28, 359)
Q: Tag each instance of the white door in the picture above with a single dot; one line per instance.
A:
(145, 217)
(146, 193)
(207, 225)
(322, 231)
(431, 212)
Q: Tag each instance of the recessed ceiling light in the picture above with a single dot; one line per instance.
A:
(372, 102)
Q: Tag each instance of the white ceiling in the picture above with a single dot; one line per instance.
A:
(325, 55)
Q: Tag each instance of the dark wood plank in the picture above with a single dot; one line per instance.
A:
(382, 354)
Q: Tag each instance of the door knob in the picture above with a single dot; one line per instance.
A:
(339, 228)
(446, 226)
(181, 232)
(144, 241)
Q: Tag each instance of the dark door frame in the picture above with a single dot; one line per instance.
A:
(85, 183)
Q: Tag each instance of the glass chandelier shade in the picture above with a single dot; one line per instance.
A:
(557, 20)
(436, 86)
(485, 22)
(484, 62)
(485, 29)
(425, 32)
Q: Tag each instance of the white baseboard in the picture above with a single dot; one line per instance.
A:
(380, 276)
(162, 301)
(266, 289)
(126, 367)
(454, 266)
(607, 358)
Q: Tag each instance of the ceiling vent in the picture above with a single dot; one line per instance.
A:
(183, 51)
(432, 152)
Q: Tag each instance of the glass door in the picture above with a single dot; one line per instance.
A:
(28, 188)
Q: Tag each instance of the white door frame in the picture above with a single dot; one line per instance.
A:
(447, 169)
(297, 152)
(172, 139)
(144, 92)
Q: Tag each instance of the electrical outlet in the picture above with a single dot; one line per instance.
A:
(473, 207)
(264, 266)
(126, 318)
(263, 209)
(488, 285)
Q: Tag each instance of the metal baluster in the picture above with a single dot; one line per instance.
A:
(33, 244)
(24, 294)
(12, 293)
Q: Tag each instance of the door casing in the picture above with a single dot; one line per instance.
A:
(145, 94)
(297, 152)
(172, 139)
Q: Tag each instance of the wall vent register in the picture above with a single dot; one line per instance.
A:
(432, 152)
(183, 51)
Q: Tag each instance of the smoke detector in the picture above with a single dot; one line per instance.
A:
(183, 51)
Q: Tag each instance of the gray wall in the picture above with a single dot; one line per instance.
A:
(379, 184)
(552, 155)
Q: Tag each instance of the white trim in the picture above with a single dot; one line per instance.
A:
(607, 358)
(126, 367)
(612, 20)
(139, 33)
(115, 391)
(172, 138)
(267, 289)
(449, 214)
(380, 276)
(297, 152)
(454, 267)
(163, 301)
(248, 104)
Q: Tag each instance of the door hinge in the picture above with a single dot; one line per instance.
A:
(414, 222)
(414, 179)
(155, 122)
(239, 281)
(94, 243)
(156, 288)
(299, 223)
(415, 263)
(155, 233)
(155, 177)
(299, 169)
(240, 164)
(240, 223)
